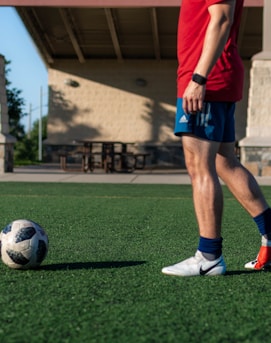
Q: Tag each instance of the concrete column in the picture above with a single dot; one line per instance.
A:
(6, 140)
(256, 146)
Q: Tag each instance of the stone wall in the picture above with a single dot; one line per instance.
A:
(6, 140)
(256, 146)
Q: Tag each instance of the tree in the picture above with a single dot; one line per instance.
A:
(34, 134)
(27, 148)
(15, 105)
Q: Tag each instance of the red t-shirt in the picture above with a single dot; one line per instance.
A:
(225, 81)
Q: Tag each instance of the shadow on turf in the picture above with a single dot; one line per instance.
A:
(240, 272)
(92, 265)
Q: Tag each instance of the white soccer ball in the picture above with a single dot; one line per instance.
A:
(23, 244)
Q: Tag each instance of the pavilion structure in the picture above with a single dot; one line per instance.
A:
(112, 74)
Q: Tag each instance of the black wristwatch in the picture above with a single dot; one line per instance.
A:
(201, 80)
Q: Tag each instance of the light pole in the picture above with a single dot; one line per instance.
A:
(40, 108)
(29, 121)
(40, 126)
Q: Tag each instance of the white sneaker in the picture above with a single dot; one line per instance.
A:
(197, 265)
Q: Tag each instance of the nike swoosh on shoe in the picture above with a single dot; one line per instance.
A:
(206, 271)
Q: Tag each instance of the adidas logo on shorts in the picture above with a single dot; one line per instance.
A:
(183, 119)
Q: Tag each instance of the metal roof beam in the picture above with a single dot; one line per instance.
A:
(155, 33)
(242, 27)
(113, 32)
(38, 34)
(65, 15)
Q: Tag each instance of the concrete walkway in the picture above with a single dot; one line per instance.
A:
(54, 174)
(51, 174)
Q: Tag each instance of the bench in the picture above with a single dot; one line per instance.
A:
(108, 158)
(88, 161)
(140, 160)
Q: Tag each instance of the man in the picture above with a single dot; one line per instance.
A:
(210, 81)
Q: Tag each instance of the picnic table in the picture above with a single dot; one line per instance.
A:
(112, 156)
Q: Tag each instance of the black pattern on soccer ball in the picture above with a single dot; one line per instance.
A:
(41, 251)
(7, 228)
(17, 257)
(24, 234)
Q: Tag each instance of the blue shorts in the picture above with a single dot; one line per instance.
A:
(214, 123)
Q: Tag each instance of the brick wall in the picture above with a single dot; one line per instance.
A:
(111, 103)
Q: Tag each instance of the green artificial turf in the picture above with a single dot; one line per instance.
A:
(101, 281)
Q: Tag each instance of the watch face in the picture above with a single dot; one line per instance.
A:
(201, 80)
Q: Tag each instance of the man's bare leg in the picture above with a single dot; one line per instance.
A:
(239, 180)
(246, 190)
(200, 156)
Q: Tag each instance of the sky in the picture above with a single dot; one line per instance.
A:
(28, 72)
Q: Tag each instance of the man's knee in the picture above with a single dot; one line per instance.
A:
(226, 164)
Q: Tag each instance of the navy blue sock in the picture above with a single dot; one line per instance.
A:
(263, 222)
(209, 246)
